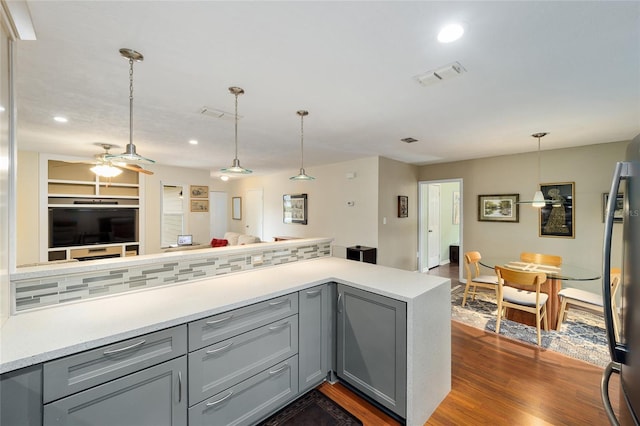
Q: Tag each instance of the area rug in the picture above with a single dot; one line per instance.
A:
(581, 336)
(312, 409)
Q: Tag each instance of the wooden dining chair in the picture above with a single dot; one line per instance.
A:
(474, 278)
(591, 301)
(525, 300)
(542, 259)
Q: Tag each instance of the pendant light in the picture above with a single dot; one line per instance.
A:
(302, 175)
(130, 154)
(538, 197)
(236, 168)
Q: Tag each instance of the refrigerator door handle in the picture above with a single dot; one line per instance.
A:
(612, 367)
(618, 351)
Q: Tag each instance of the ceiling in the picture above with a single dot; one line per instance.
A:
(568, 68)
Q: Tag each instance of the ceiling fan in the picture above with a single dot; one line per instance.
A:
(106, 166)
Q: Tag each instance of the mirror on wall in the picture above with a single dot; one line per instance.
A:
(173, 216)
(236, 213)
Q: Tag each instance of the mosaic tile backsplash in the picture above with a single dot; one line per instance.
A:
(53, 290)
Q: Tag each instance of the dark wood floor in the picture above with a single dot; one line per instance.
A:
(499, 381)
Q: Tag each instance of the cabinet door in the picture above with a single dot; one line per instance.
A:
(372, 346)
(21, 397)
(314, 343)
(156, 396)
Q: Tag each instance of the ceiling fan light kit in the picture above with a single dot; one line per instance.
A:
(302, 175)
(236, 168)
(130, 154)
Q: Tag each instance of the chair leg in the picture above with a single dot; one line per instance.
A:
(475, 291)
(499, 316)
(545, 317)
(466, 291)
(562, 313)
(538, 327)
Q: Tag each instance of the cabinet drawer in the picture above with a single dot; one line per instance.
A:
(74, 373)
(219, 327)
(222, 365)
(151, 397)
(97, 251)
(251, 400)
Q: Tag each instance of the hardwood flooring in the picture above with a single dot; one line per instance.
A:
(500, 381)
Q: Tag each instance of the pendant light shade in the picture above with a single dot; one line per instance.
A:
(130, 155)
(236, 168)
(538, 197)
(302, 175)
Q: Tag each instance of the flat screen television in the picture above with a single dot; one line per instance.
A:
(79, 226)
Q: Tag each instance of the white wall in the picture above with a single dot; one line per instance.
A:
(328, 212)
(589, 167)
(7, 168)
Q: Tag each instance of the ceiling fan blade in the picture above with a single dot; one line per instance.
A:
(133, 167)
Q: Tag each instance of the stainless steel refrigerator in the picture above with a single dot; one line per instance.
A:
(625, 353)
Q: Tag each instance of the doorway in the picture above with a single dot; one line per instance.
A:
(439, 221)
(254, 213)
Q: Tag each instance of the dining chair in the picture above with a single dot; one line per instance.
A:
(542, 259)
(474, 278)
(591, 301)
(532, 301)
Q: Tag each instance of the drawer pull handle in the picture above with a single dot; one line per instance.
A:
(218, 321)
(96, 250)
(313, 292)
(179, 386)
(212, 403)
(278, 327)
(279, 369)
(279, 302)
(213, 351)
(117, 351)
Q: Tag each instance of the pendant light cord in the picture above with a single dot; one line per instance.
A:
(236, 126)
(302, 142)
(131, 101)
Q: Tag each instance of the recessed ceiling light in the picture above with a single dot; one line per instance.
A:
(449, 33)
(224, 178)
(60, 119)
(193, 142)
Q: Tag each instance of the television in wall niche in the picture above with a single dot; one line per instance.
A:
(81, 226)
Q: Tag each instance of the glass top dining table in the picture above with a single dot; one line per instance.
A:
(564, 272)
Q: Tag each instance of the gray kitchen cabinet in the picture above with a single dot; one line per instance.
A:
(250, 400)
(217, 367)
(21, 397)
(155, 396)
(315, 317)
(78, 372)
(222, 326)
(372, 346)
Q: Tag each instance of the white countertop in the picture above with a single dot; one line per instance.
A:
(38, 336)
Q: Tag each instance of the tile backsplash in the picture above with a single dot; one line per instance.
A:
(57, 289)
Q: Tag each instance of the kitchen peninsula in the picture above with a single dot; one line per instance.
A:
(49, 337)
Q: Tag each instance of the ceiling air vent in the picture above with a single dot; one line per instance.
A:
(409, 140)
(218, 113)
(443, 73)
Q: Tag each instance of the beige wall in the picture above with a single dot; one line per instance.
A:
(28, 224)
(398, 238)
(589, 167)
(328, 212)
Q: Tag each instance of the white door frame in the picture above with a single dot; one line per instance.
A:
(422, 259)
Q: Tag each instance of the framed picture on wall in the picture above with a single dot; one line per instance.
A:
(200, 206)
(403, 206)
(617, 212)
(294, 209)
(236, 208)
(199, 191)
(499, 208)
(557, 217)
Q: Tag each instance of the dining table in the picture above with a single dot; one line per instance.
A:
(552, 286)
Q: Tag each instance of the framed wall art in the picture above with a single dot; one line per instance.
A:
(617, 212)
(403, 206)
(499, 208)
(200, 206)
(294, 209)
(199, 191)
(557, 217)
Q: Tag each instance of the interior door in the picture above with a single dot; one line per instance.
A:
(253, 212)
(433, 227)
